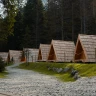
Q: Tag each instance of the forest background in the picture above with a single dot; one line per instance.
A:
(27, 24)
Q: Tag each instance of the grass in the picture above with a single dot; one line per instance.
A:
(85, 70)
(3, 74)
(9, 64)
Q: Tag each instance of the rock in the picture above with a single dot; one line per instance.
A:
(76, 76)
(49, 68)
(54, 69)
(73, 72)
(59, 70)
(66, 69)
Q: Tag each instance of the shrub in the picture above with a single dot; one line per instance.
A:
(2, 65)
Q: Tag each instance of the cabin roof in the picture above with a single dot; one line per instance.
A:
(64, 50)
(44, 48)
(89, 45)
(15, 54)
(33, 54)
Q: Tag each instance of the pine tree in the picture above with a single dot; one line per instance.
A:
(34, 19)
(27, 39)
(14, 41)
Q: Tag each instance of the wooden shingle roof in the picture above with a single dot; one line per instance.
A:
(43, 52)
(16, 55)
(33, 54)
(88, 43)
(63, 50)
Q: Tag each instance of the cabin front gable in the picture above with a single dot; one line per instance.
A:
(52, 55)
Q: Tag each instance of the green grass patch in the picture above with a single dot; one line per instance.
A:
(9, 64)
(85, 70)
(3, 74)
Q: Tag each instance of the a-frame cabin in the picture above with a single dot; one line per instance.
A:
(15, 55)
(32, 54)
(43, 52)
(85, 48)
(61, 51)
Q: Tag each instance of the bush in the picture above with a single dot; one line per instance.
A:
(2, 65)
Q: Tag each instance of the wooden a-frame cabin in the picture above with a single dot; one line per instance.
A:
(61, 51)
(43, 52)
(85, 48)
(33, 54)
(15, 55)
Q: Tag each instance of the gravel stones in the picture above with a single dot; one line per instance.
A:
(29, 83)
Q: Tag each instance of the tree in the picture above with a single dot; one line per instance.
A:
(14, 41)
(2, 65)
(11, 13)
(27, 39)
(7, 34)
(34, 19)
(7, 23)
(92, 27)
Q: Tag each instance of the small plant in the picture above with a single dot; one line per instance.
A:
(2, 65)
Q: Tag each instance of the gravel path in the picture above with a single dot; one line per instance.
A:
(21, 82)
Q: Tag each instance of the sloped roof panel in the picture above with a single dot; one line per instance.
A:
(64, 50)
(16, 55)
(89, 44)
(44, 51)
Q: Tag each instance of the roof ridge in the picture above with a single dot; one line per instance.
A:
(86, 35)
